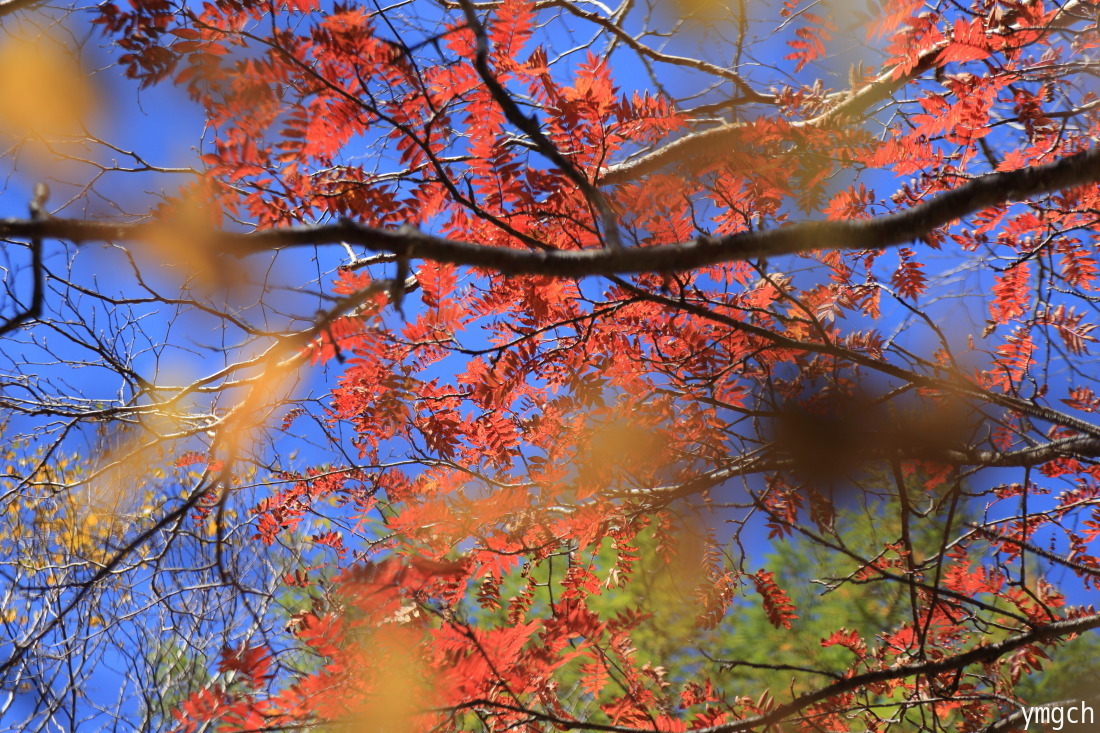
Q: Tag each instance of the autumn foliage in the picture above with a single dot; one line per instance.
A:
(546, 473)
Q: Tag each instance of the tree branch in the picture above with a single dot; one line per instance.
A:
(978, 655)
(878, 233)
(7, 7)
(34, 310)
(850, 103)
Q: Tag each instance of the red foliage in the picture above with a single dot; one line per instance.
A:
(522, 445)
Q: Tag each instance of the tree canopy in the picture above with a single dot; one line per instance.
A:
(480, 365)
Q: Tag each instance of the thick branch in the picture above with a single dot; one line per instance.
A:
(979, 655)
(1079, 446)
(704, 143)
(34, 310)
(533, 130)
(848, 104)
(7, 7)
(884, 231)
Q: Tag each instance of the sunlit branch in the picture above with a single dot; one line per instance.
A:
(978, 655)
(954, 663)
(846, 104)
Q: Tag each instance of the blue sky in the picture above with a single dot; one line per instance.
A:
(164, 128)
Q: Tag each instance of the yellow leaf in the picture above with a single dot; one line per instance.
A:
(45, 92)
